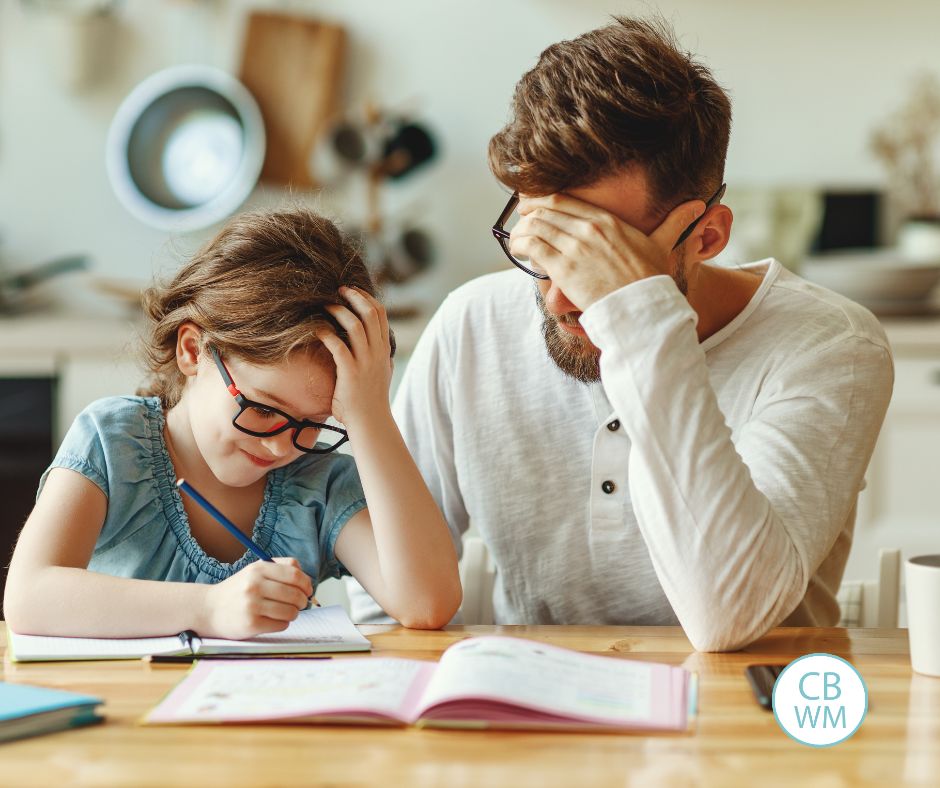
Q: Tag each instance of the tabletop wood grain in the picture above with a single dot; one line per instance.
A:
(734, 741)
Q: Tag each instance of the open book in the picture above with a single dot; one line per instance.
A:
(322, 629)
(484, 682)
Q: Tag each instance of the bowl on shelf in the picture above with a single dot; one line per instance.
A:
(185, 148)
(881, 279)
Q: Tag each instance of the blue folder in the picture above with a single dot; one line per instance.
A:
(28, 711)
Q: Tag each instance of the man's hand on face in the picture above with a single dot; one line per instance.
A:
(587, 251)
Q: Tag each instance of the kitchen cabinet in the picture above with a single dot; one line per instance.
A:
(88, 356)
(900, 506)
(26, 447)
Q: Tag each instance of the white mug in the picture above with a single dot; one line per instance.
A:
(923, 613)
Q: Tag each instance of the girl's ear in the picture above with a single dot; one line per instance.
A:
(188, 343)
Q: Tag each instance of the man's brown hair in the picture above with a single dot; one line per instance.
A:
(618, 96)
(257, 291)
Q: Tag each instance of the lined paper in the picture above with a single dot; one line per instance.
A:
(320, 629)
(34, 648)
(328, 628)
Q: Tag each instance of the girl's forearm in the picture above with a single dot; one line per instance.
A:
(71, 602)
(415, 551)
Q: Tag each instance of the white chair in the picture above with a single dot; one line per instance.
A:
(477, 576)
(862, 603)
(873, 604)
(889, 587)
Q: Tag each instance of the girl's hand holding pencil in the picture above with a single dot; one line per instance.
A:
(263, 597)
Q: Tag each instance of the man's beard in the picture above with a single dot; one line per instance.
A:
(576, 356)
(678, 273)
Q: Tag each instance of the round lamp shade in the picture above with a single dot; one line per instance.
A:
(185, 148)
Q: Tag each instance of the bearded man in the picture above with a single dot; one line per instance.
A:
(639, 435)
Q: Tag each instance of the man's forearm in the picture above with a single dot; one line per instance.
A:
(732, 560)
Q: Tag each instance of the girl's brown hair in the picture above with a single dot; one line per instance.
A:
(620, 95)
(257, 291)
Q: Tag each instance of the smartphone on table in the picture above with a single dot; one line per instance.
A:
(762, 679)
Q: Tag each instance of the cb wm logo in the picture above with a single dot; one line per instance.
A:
(820, 700)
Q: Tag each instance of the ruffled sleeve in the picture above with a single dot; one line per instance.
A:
(319, 496)
(114, 443)
(83, 449)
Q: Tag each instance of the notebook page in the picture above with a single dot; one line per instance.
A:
(317, 629)
(37, 648)
(586, 687)
(270, 690)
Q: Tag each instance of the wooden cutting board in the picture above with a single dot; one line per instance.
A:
(293, 67)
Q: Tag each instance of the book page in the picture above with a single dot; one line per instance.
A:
(317, 629)
(546, 679)
(35, 648)
(279, 690)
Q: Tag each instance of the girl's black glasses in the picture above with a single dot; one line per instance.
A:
(263, 421)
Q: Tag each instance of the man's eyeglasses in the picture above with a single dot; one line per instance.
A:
(263, 421)
(508, 216)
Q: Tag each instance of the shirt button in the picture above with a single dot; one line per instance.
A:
(614, 425)
(608, 487)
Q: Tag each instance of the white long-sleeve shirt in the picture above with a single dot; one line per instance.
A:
(711, 484)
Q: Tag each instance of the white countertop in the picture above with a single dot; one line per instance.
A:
(50, 333)
(913, 335)
(46, 336)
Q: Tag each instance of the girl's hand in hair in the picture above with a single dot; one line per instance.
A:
(364, 366)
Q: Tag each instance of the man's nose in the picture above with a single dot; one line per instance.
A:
(556, 302)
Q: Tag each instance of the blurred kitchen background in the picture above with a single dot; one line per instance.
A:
(120, 153)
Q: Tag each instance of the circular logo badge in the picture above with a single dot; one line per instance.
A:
(820, 700)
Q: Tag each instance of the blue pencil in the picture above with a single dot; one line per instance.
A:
(229, 526)
(222, 520)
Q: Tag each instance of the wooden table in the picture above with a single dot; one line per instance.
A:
(734, 743)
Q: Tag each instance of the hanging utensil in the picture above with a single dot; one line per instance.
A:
(13, 287)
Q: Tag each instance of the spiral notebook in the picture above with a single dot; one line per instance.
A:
(319, 630)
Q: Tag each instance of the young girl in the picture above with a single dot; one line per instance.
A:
(264, 335)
